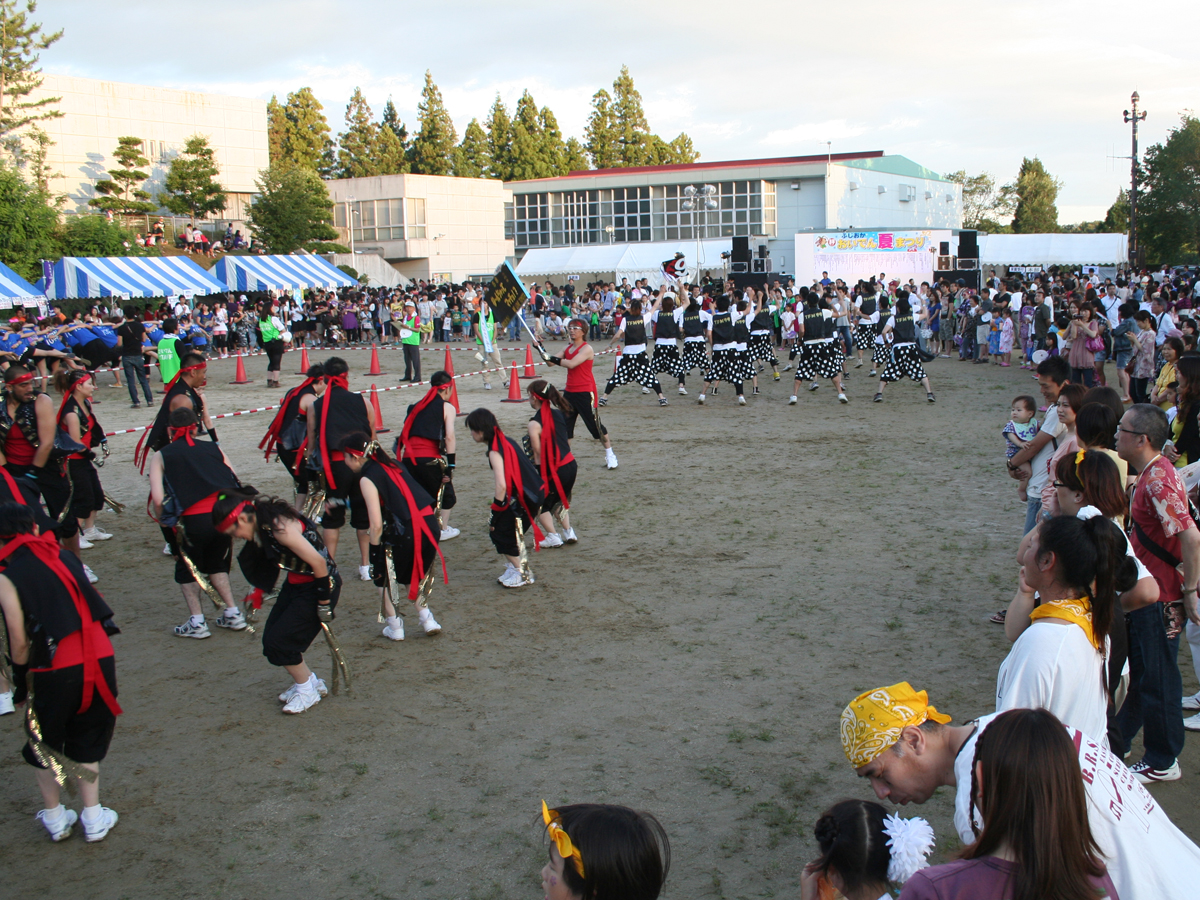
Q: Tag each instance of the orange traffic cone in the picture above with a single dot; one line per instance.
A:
(379, 429)
(449, 369)
(514, 387)
(375, 370)
(529, 372)
(239, 377)
(303, 361)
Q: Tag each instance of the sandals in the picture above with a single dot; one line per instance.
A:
(998, 618)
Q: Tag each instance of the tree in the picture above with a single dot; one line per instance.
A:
(499, 141)
(299, 132)
(471, 159)
(292, 209)
(357, 144)
(433, 147)
(120, 191)
(574, 156)
(632, 129)
(1116, 220)
(619, 135)
(192, 188)
(602, 139)
(28, 225)
(37, 160)
(529, 158)
(682, 150)
(983, 203)
(1169, 211)
(277, 128)
(21, 41)
(391, 120)
(391, 156)
(96, 236)
(1036, 192)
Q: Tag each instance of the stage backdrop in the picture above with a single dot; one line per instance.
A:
(860, 254)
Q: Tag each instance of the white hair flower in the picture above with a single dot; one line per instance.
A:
(910, 842)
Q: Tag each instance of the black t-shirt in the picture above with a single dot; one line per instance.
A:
(131, 333)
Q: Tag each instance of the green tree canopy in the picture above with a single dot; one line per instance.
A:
(96, 236)
(1116, 220)
(298, 130)
(28, 225)
(1036, 192)
(433, 146)
(292, 209)
(21, 43)
(603, 142)
(471, 159)
(499, 141)
(357, 144)
(391, 119)
(619, 135)
(574, 156)
(192, 188)
(121, 191)
(983, 203)
(1169, 211)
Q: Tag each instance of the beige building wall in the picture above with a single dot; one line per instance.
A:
(463, 230)
(96, 113)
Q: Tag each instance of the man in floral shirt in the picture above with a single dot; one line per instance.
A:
(1165, 539)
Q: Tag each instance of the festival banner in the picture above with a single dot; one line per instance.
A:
(853, 255)
(505, 294)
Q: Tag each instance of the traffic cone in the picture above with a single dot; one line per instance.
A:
(303, 361)
(529, 372)
(449, 369)
(379, 429)
(514, 387)
(375, 370)
(239, 377)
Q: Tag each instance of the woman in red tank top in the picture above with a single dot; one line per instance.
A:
(580, 392)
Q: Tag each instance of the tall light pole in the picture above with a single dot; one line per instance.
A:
(1133, 117)
(350, 222)
(699, 199)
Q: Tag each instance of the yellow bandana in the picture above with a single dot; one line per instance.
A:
(872, 722)
(561, 839)
(1078, 612)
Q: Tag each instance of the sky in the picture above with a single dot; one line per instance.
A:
(949, 85)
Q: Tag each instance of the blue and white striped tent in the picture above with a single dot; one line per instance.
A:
(263, 273)
(129, 276)
(16, 290)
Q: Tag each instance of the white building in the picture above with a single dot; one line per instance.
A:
(97, 113)
(428, 227)
(598, 218)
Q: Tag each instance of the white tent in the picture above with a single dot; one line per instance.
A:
(1052, 249)
(630, 261)
(379, 272)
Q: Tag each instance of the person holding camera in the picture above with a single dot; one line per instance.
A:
(1084, 334)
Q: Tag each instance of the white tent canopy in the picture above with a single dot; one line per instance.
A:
(379, 272)
(1052, 249)
(630, 261)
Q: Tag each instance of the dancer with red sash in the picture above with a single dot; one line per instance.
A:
(551, 453)
(403, 523)
(332, 417)
(77, 418)
(519, 490)
(426, 447)
(279, 538)
(580, 391)
(182, 391)
(63, 667)
(185, 478)
(288, 434)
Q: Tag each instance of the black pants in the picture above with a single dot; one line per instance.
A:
(274, 355)
(55, 490)
(427, 472)
(80, 736)
(412, 362)
(87, 493)
(209, 550)
(583, 404)
(293, 623)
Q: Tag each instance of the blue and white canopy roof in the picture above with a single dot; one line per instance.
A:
(15, 290)
(129, 276)
(263, 273)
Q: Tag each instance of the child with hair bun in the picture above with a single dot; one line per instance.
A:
(864, 852)
(602, 852)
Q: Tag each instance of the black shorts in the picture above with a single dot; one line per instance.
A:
(288, 458)
(55, 491)
(81, 737)
(274, 354)
(402, 558)
(209, 550)
(583, 404)
(566, 474)
(427, 472)
(293, 624)
(349, 492)
(502, 528)
(88, 494)
(96, 353)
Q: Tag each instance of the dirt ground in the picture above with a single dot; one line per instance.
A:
(740, 577)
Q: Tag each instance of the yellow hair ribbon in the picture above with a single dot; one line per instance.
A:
(1079, 459)
(561, 839)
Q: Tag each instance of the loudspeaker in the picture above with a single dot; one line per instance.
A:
(968, 263)
(741, 250)
(968, 246)
(944, 248)
(761, 266)
(741, 267)
(763, 252)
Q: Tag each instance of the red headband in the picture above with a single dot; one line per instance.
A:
(230, 519)
(21, 379)
(357, 454)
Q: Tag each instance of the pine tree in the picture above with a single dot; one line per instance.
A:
(191, 186)
(1169, 211)
(391, 156)
(554, 151)
(433, 147)
(499, 141)
(528, 151)
(37, 160)
(683, 150)
(602, 138)
(391, 119)
(304, 132)
(1036, 193)
(633, 132)
(277, 128)
(21, 41)
(120, 191)
(471, 159)
(357, 144)
(574, 157)
(1116, 220)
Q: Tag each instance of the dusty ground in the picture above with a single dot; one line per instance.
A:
(742, 575)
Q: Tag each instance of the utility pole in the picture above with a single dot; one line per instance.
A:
(1134, 117)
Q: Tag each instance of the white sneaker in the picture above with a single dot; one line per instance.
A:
(1192, 703)
(95, 534)
(610, 459)
(792, 400)
(291, 692)
(645, 390)
(508, 568)
(91, 576)
(550, 540)
(84, 543)
(1192, 723)
(60, 830)
(569, 536)
(396, 633)
(843, 398)
(449, 533)
(364, 573)
(304, 699)
(428, 622)
(700, 399)
(512, 578)
(167, 550)
(99, 829)
(741, 400)
(683, 390)
(6, 704)
(188, 630)
(234, 622)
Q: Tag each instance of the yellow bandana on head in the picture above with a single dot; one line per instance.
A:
(562, 840)
(872, 722)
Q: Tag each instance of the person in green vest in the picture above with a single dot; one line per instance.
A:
(271, 337)
(168, 350)
(485, 336)
(410, 337)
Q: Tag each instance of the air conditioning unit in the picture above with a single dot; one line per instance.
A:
(760, 265)
(968, 263)
(739, 268)
(908, 193)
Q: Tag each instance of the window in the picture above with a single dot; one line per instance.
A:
(416, 217)
(631, 214)
(531, 224)
(374, 220)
